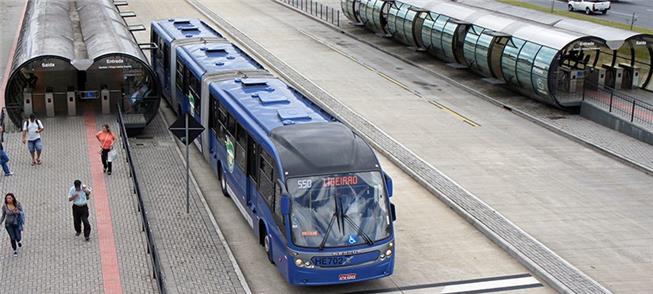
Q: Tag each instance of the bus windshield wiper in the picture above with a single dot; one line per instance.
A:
(359, 230)
(333, 217)
(326, 235)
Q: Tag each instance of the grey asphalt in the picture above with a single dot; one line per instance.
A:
(620, 11)
(556, 190)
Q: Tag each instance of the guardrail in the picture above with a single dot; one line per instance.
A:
(151, 248)
(317, 9)
(618, 103)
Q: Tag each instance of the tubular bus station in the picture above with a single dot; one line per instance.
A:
(550, 60)
(79, 55)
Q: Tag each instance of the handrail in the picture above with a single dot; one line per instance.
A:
(316, 9)
(151, 248)
(619, 103)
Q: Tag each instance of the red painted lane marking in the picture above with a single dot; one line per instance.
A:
(104, 227)
(10, 61)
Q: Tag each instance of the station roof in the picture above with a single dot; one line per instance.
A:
(105, 31)
(614, 38)
(546, 35)
(47, 31)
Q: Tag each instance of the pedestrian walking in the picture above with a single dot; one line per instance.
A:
(80, 194)
(11, 213)
(4, 158)
(106, 139)
(32, 129)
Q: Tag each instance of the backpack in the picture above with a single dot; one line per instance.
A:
(39, 125)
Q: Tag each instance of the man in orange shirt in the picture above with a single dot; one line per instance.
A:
(106, 138)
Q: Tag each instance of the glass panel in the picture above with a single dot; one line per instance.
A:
(447, 41)
(435, 36)
(470, 46)
(482, 52)
(525, 65)
(509, 60)
(541, 67)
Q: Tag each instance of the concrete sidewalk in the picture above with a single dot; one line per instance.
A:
(193, 254)
(53, 259)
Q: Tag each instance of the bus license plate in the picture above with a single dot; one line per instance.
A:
(346, 277)
(326, 261)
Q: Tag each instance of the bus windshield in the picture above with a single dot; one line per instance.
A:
(338, 210)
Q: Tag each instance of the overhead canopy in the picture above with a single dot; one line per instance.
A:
(104, 30)
(49, 32)
(546, 35)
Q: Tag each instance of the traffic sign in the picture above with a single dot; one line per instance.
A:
(178, 128)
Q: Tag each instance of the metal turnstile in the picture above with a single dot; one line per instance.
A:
(630, 76)
(49, 103)
(596, 77)
(574, 80)
(27, 101)
(105, 96)
(71, 99)
(613, 76)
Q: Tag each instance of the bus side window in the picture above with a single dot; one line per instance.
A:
(252, 159)
(180, 75)
(166, 62)
(265, 173)
(194, 91)
(222, 120)
(241, 144)
(231, 126)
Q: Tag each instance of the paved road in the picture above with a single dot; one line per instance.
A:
(621, 11)
(535, 178)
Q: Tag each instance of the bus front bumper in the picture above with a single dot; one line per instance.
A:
(342, 275)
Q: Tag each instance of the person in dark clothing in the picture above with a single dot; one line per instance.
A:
(11, 210)
(79, 195)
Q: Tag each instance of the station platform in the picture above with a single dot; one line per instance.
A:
(588, 208)
(115, 260)
(52, 259)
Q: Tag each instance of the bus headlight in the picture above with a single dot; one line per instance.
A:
(299, 262)
(388, 252)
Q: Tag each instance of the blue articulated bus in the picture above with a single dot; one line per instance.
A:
(312, 191)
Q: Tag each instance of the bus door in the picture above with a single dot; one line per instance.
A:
(252, 177)
(240, 169)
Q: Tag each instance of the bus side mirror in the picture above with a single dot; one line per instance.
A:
(285, 205)
(393, 212)
(388, 184)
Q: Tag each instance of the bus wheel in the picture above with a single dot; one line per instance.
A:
(268, 247)
(223, 182)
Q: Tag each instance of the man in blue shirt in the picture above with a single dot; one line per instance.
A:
(78, 194)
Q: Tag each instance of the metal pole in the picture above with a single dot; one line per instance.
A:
(611, 95)
(632, 21)
(187, 170)
(552, 4)
(632, 114)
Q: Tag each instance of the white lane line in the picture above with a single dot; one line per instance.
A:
(489, 285)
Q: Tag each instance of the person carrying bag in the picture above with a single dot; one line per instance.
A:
(106, 139)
